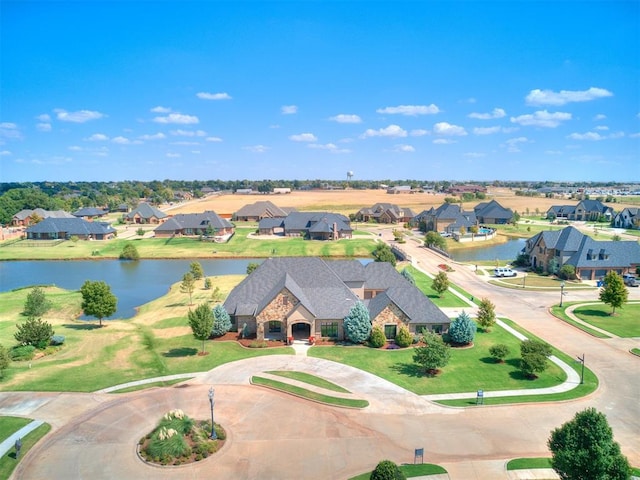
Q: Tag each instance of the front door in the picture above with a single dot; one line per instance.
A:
(301, 331)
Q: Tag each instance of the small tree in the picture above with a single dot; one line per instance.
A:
(36, 303)
(614, 292)
(5, 360)
(216, 295)
(383, 253)
(129, 252)
(435, 354)
(404, 337)
(533, 355)
(97, 300)
(499, 352)
(251, 266)
(207, 283)
(196, 270)
(462, 330)
(408, 276)
(440, 283)
(377, 338)
(188, 285)
(201, 323)
(34, 332)
(584, 448)
(357, 324)
(387, 470)
(486, 317)
(553, 267)
(567, 272)
(221, 321)
(434, 239)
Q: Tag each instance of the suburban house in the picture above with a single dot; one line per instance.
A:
(399, 189)
(448, 217)
(259, 210)
(585, 210)
(307, 296)
(384, 213)
(145, 214)
(628, 218)
(208, 223)
(24, 218)
(492, 212)
(311, 225)
(65, 228)
(89, 213)
(592, 259)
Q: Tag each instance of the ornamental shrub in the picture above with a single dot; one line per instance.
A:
(387, 470)
(57, 339)
(462, 330)
(23, 352)
(357, 324)
(404, 337)
(221, 321)
(377, 338)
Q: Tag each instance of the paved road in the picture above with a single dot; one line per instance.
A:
(275, 436)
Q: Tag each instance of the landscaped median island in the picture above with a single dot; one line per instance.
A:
(10, 461)
(410, 470)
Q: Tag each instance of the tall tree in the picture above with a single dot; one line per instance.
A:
(440, 283)
(383, 253)
(614, 292)
(196, 270)
(533, 357)
(486, 314)
(97, 300)
(357, 323)
(201, 323)
(36, 303)
(435, 354)
(188, 285)
(583, 448)
(221, 321)
(462, 330)
(129, 252)
(434, 239)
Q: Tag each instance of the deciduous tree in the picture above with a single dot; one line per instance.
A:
(97, 300)
(434, 239)
(533, 357)
(435, 354)
(5, 360)
(383, 253)
(499, 352)
(196, 270)
(614, 292)
(387, 470)
(486, 314)
(188, 285)
(129, 252)
(357, 324)
(440, 283)
(36, 303)
(201, 323)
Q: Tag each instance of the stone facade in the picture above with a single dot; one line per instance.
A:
(391, 315)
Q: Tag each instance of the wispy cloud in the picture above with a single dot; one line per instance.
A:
(177, 118)
(486, 130)
(410, 110)
(213, 139)
(594, 136)
(600, 116)
(419, 132)
(173, 155)
(43, 127)
(45, 117)
(155, 136)
(542, 118)
(188, 133)
(512, 144)
(79, 116)
(444, 128)
(124, 141)
(256, 148)
(346, 118)
(402, 147)
(160, 109)
(390, 131)
(213, 96)
(331, 147)
(289, 109)
(97, 137)
(495, 113)
(549, 97)
(303, 137)
(10, 130)
(5, 153)
(443, 141)
(475, 154)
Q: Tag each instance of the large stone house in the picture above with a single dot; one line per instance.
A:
(89, 213)
(65, 228)
(628, 218)
(493, 213)
(385, 213)
(585, 210)
(311, 225)
(196, 224)
(448, 217)
(592, 259)
(24, 218)
(145, 214)
(308, 296)
(259, 210)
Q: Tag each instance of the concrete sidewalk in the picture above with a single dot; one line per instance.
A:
(10, 442)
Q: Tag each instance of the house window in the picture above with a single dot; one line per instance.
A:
(390, 331)
(421, 328)
(329, 329)
(285, 300)
(275, 326)
(436, 329)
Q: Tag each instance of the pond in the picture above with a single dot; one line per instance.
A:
(133, 283)
(506, 252)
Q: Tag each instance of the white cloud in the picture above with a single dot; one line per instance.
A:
(346, 118)
(121, 140)
(419, 132)
(45, 118)
(213, 96)
(512, 144)
(43, 127)
(601, 128)
(5, 153)
(155, 136)
(97, 137)
(486, 130)
(256, 148)
(411, 110)
(303, 137)
(184, 142)
(331, 147)
(495, 113)
(213, 139)
(79, 116)
(8, 125)
(475, 154)
(10, 130)
(404, 148)
(549, 97)
(598, 117)
(75, 148)
(594, 136)
(288, 109)
(178, 118)
(444, 128)
(173, 155)
(195, 152)
(443, 141)
(160, 109)
(634, 135)
(390, 131)
(553, 152)
(542, 118)
(189, 133)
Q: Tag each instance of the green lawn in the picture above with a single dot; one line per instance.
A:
(470, 369)
(310, 379)
(9, 462)
(10, 425)
(423, 282)
(625, 322)
(308, 394)
(527, 463)
(559, 312)
(418, 470)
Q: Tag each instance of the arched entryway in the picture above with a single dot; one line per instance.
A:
(300, 331)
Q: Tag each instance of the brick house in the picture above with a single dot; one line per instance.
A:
(628, 218)
(585, 210)
(145, 214)
(259, 210)
(311, 225)
(65, 228)
(196, 224)
(448, 217)
(24, 217)
(385, 213)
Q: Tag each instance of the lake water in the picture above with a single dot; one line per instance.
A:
(133, 283)
(506, 252)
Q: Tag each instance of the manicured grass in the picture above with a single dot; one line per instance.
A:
(310, 379)
(9, 462)
(423, 282)
(636, 351)
(410, 471)
(10, 425)
(165, 383)
(559, 312)
(308, 394)
(623, 324)
(527, 463)
(469, 369)
(542, 282)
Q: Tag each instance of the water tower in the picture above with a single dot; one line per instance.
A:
(349, 175)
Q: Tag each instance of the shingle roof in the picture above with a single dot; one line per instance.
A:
(262, 208)
(306, 221)
(492, 209)
(22, 214)
(90, 212)
(146, 211)
(411, 301)
(71, 226)
(194, 221)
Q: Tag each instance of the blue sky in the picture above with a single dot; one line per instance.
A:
(437, 90)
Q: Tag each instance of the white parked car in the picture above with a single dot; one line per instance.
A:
(504, 272)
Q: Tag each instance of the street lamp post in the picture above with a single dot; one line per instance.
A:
(581, 360)
(561, 292)
(213, 428)
(524, 279)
